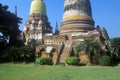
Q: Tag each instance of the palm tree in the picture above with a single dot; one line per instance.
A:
(90, 46)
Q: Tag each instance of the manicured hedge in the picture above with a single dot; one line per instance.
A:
(72, 60)
(44, 60)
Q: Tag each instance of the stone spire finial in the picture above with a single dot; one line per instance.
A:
(56, 29)
(15, 10)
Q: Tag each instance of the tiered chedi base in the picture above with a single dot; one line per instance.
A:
(76, 25)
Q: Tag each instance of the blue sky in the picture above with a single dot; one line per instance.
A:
(106, 13)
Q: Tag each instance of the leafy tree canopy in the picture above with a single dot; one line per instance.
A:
(115, 47)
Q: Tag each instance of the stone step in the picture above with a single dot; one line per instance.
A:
(65, 53)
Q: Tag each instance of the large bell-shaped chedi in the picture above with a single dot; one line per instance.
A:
(37, 24)
(38, 6)
(77, 17)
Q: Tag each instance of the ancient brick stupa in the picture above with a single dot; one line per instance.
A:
(37, 24)
(76, 25)
(77, 17)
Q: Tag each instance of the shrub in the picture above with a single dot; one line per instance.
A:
(72, 60)
(26, 54)
(37, 61)
(44, 60)
(11, 54)
(105, 60)
(21, 54)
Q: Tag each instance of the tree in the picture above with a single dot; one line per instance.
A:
(90, 46)
(9, 25)
(3, 43)
(25, 53)
(114, 48)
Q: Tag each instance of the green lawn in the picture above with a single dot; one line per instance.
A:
(58, 72)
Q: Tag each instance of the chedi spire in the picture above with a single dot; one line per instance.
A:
(37, 24)
(38, 6)
(77, 17)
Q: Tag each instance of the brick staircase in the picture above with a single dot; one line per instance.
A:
(66, 52)
(59, 53)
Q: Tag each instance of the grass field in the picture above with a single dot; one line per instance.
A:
(58, 72)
